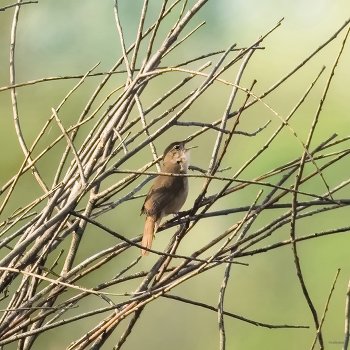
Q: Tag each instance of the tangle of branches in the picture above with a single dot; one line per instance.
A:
(93, 178)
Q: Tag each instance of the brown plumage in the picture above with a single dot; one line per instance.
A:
(168, 194)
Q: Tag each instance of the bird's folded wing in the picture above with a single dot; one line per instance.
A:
(159, 197)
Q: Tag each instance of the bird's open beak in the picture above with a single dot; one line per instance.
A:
(187, 149)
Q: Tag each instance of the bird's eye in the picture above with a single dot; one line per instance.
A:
(177, 147)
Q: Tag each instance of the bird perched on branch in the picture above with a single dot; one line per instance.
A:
(168, 193)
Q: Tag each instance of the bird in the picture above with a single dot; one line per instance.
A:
(168, 193)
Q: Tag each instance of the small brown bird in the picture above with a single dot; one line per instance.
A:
(168, 193)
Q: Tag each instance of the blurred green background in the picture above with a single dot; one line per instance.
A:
(59, 38)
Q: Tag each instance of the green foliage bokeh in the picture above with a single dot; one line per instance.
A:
(58, 38)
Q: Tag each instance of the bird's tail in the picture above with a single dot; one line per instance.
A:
(148, 234)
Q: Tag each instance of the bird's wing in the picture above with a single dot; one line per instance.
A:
(162, 194)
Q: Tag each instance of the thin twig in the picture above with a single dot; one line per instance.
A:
(206, 306)
(325, 309)
(347, 319)
(69, 141)
(18, 4)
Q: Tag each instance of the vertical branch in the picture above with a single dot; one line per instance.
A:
(75, 131)
(318, 112)
(227, 112)
(143, 120)
(297, 262)
(218, 162)
(221, 306)
(347, 319)
(13, 79)
(129, 329)
(326, 308)
(138, 37)
(155, 30)
(122, 44)
(180, 15)
(294, 201)
(14, 96)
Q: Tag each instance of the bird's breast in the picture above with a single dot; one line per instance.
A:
(179, 200)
